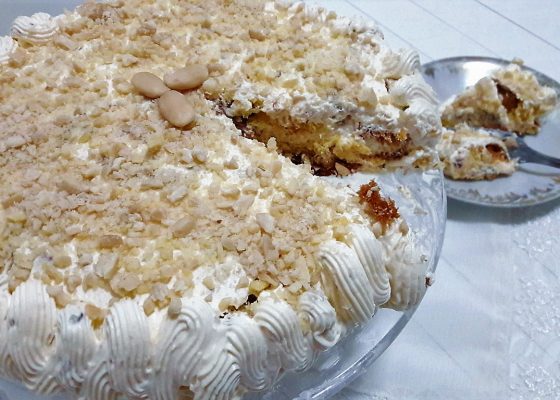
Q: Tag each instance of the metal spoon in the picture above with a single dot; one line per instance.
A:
(519, 149)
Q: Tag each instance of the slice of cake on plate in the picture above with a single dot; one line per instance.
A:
(474, 154)
(510, 99)
(149, 246)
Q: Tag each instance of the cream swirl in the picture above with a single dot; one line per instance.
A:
(31, 335)
(128, 337)
(234, 360)
(372, 256)
(97, 384)
(37, 29)
(280, 325)
(76, 346)
(7, 47)
(316, 310)
(219, 374)
(422, 120)
(345, 282)
(179, 347)
(7, 367)
(407, 272)
(412, 88)
(398, 64)
(248, 345)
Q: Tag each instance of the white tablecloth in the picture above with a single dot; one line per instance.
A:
(490, 326)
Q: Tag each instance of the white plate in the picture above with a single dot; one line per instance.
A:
(531, 184)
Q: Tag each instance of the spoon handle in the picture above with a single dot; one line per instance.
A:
(528, 155)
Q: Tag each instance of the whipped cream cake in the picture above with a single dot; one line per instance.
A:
(157, 240)
(510, 99)
(474, 154)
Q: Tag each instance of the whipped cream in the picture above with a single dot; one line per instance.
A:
(54, 349)
(372, 256)
(7, 48)
(398, 64)
(345, 282)
(411, 88)
(228, 279)
(37, 29)
(316, 310)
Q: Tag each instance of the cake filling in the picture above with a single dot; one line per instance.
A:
(474, 154)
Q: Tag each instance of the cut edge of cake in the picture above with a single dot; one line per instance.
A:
(474, 154)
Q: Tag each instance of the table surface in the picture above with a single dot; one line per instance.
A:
(490, 326)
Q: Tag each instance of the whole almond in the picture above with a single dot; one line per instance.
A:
(190, 77)
(175, 108)
(149, 85)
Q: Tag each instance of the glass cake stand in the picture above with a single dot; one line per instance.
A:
(421, 200)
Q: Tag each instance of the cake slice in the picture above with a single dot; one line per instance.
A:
(510, 99)
(474, 154)
(148, 247)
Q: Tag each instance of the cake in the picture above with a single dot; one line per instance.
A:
(157, 239)
(510, 99)
(474, 154)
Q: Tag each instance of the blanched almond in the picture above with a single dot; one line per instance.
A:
(265, 221)
(175, 108)
(174, 308)
(110, 241)
(190, 77)
(149, 85)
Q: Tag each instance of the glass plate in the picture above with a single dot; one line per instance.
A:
(530, 184)
(421, 200)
